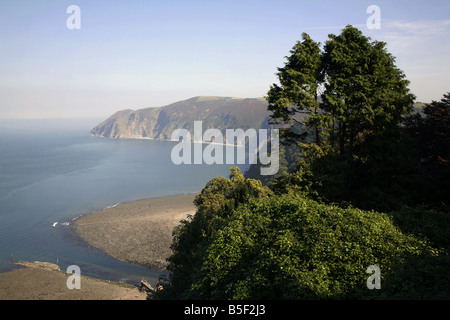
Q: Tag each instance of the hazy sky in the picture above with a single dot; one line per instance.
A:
(136, 54)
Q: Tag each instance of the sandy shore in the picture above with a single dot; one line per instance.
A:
(44, 281)
(138, 232)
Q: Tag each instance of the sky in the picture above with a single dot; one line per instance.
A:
(135, 54)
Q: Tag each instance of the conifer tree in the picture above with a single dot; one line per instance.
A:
(366, 94)
(363, 91)
(359, 150)
(299, 85)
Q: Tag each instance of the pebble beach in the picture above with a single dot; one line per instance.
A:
(137, 232)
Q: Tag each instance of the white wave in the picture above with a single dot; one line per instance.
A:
(54, 224)
(115, 205)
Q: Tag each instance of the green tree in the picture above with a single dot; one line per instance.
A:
(431, 136)
(361, 156)
(298, 90)
(214, 204)
(289, 242)
(290, 247)
(366, 94)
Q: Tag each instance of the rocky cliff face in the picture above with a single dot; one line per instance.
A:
(159, 123)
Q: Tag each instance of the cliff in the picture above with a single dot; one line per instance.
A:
(159, 123)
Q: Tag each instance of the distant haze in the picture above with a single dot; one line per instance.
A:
(138, 54)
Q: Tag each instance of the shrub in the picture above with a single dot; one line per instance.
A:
(290, 247)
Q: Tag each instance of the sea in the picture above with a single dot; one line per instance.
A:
(52, 172)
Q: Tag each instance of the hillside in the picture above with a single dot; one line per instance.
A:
(159, 123)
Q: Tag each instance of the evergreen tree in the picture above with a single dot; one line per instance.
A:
(431, 136)
(359, 153)
(366, 94)
(300, 82)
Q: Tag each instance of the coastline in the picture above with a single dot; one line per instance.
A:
(45, 281)
(138, 232)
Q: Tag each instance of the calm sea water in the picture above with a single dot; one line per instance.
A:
(51, 171)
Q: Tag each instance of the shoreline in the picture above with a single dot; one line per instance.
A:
(169, 140)
(137, 232)
(38, 280)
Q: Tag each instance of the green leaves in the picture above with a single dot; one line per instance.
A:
(192, 239)
(301, 239)
(365, 91)
(360, 89)
(289, 247)
(300, 80)
(356, 123)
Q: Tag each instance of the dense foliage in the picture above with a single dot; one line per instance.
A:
(193, 236)
(357, 153)
(430, 134)
(247, 243)
(363, 182)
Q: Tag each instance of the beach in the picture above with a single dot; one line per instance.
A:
(44, 281)
(137, 232)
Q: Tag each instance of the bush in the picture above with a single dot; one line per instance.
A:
(428, 224)
(193, 236)
(290, 247)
